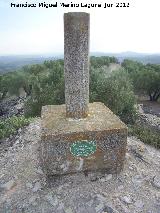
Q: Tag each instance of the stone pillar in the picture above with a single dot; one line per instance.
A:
(76, 64)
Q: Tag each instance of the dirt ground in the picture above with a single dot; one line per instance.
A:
(150, 107)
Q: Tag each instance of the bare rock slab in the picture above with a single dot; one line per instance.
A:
(95, 143)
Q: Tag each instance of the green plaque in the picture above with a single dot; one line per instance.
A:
(83, 148)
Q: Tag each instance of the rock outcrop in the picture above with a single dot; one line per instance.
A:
(148, 120)
(24, 187)
(12, 106)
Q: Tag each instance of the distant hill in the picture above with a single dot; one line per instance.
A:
(141, 57)
(12, 63)
(149, 59)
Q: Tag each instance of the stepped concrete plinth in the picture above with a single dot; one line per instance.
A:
(96, 143)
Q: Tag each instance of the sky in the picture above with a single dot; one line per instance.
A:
(112, 30)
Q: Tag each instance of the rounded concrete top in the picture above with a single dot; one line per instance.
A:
(76, 14)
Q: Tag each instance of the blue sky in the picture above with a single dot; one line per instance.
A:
(40, 30)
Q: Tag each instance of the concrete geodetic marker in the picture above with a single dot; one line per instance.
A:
(80, 136)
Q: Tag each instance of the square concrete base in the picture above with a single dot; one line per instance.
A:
(96, 143)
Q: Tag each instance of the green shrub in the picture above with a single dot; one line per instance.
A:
(145, 134)
(11, 125)
(115, 91)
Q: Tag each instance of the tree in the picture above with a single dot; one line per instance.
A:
(98, 62)
(145, 78)
(47, 89)
(132, 66)
(148, 82)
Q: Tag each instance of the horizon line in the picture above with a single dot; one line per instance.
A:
(92, 52)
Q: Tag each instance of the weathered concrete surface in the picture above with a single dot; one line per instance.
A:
(59, 133)
(76, 64)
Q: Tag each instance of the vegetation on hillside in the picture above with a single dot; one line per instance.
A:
(44, 85)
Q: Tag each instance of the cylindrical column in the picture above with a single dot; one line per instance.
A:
(76, 64)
